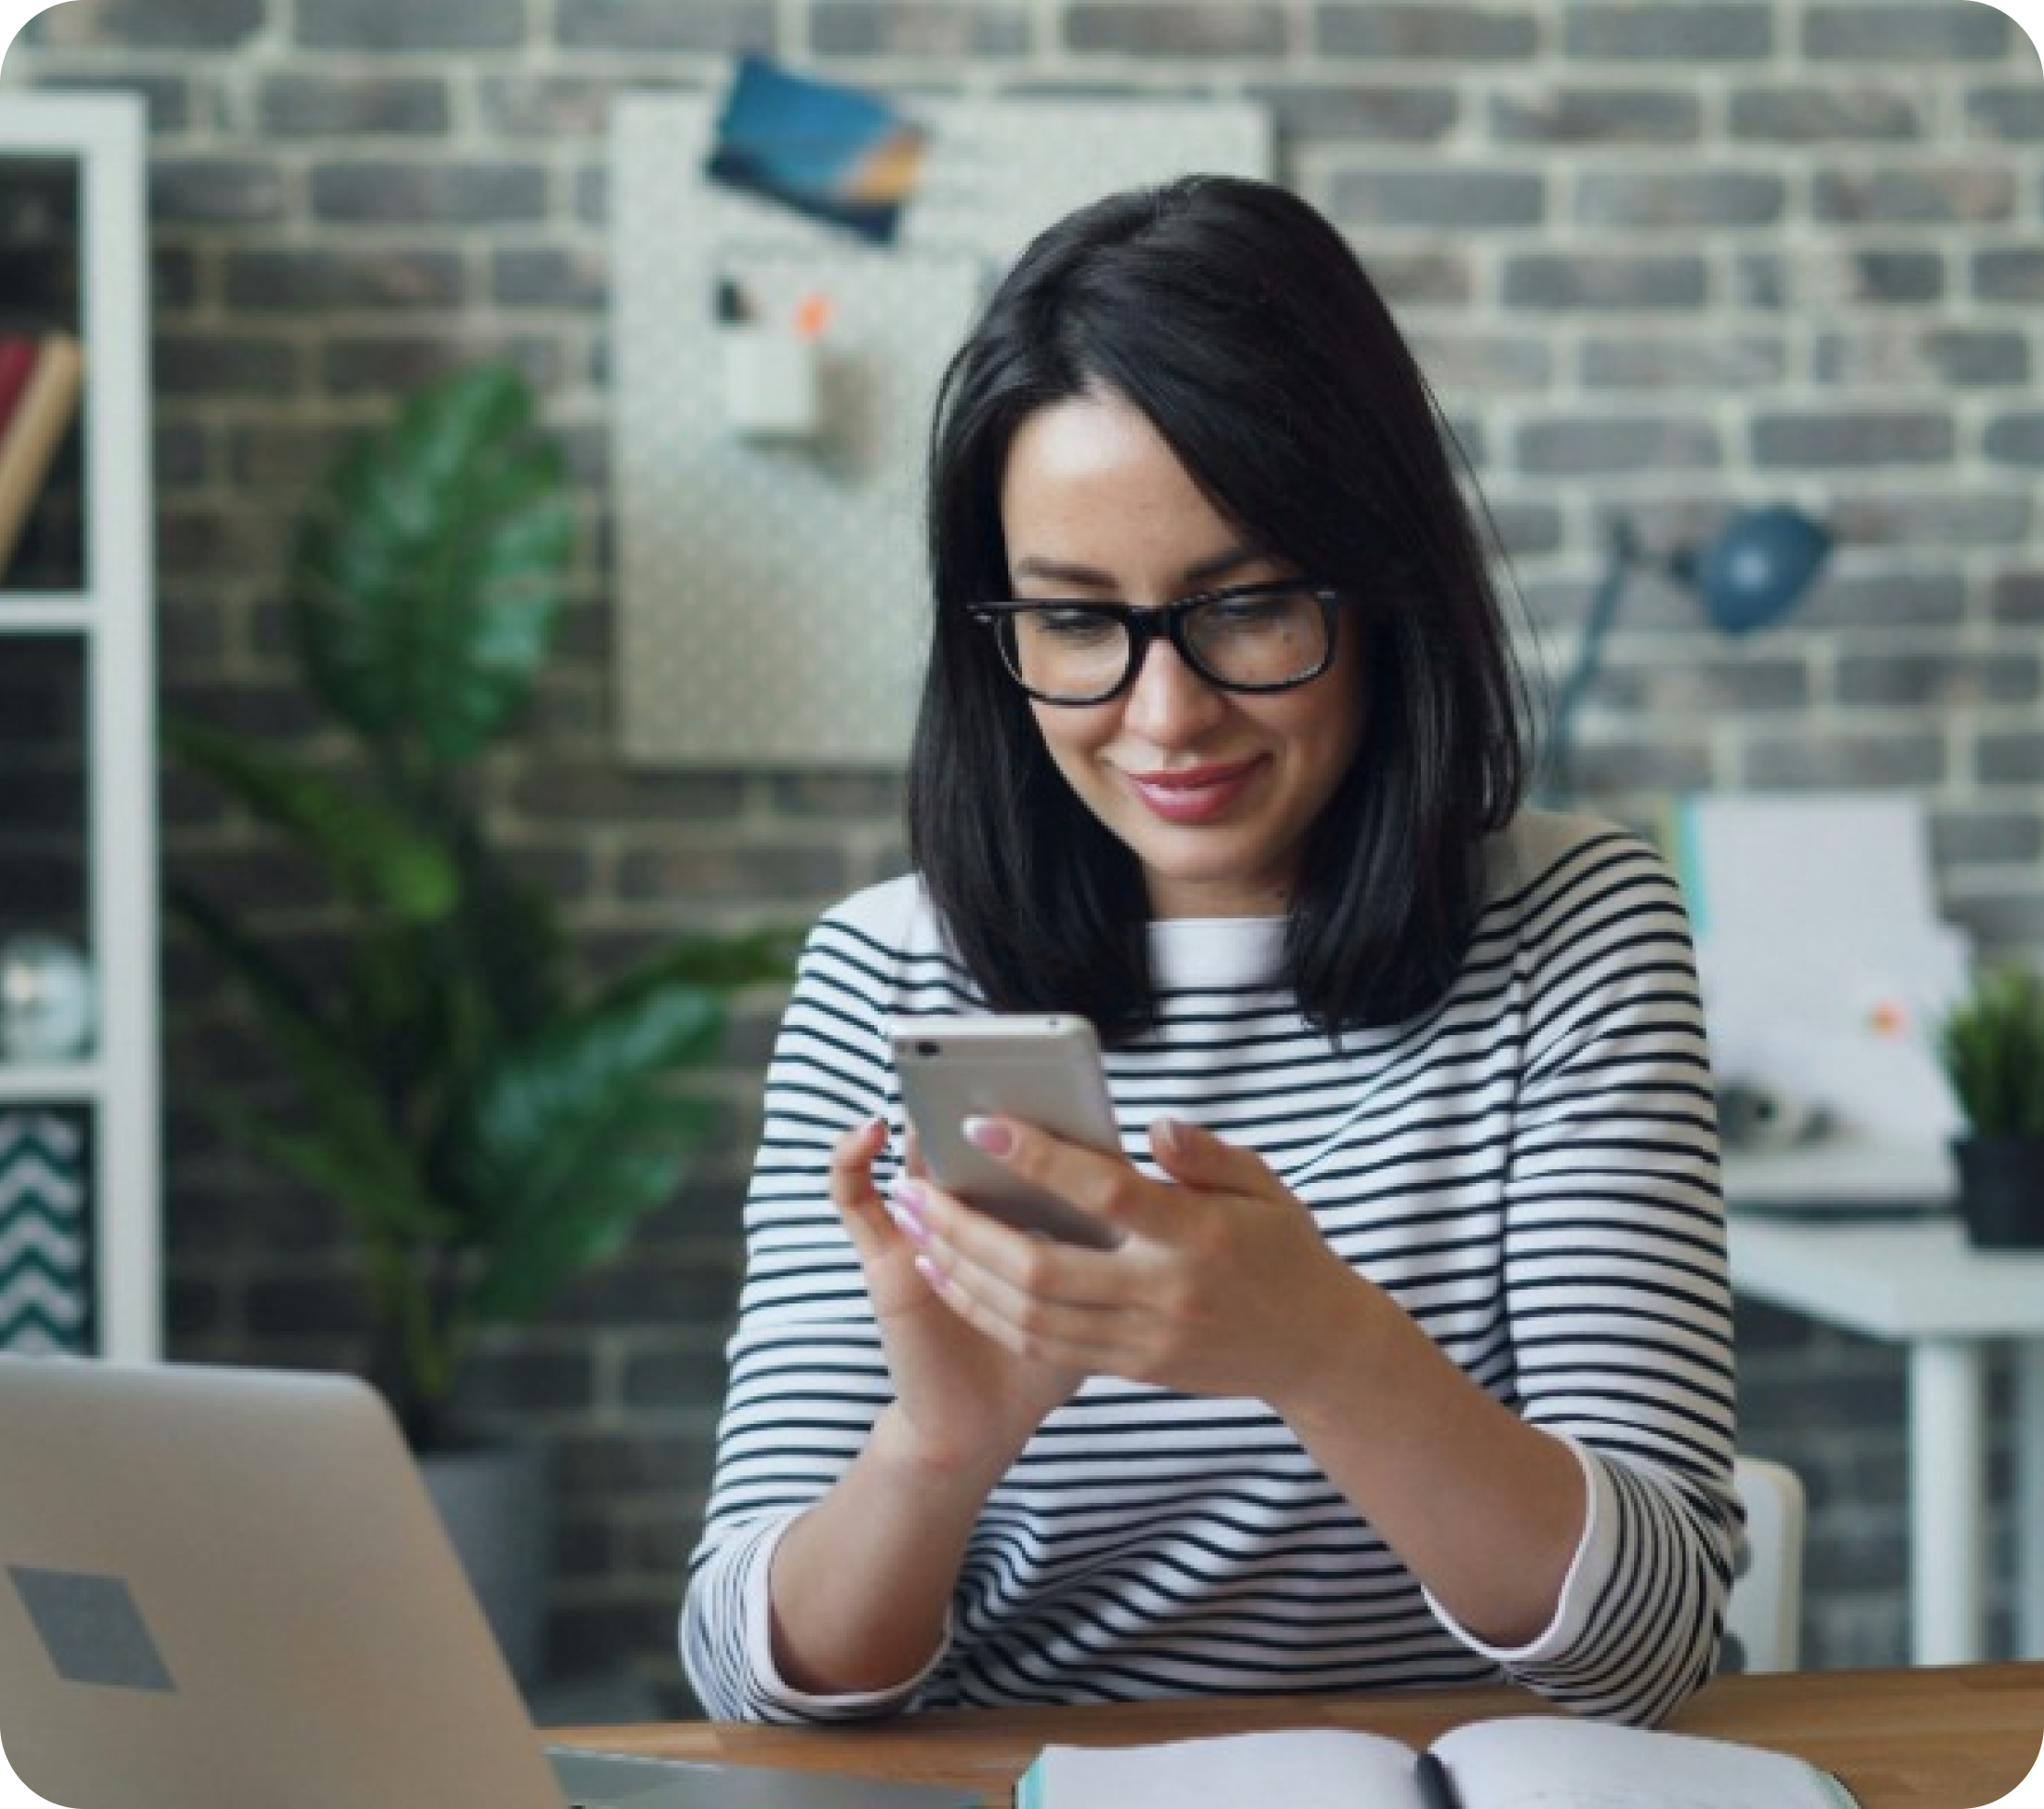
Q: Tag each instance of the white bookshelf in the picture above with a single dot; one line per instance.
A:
(118, 1082)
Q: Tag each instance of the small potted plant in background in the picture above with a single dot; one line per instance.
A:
(487, 1125)
(1991, 1045)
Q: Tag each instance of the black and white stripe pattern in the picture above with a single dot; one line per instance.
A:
(1531, 1170)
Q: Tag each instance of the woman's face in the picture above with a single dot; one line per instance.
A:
(1212, 790)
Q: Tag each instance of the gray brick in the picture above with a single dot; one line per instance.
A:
(308, 279)
(1667, 30)
(918, 28)
(2016, 439)
(1807, 113)
(732, 873)
(1596, 115)
(1679, 197)
(422, 193)
(1405, 114)
(1548, 282)
(1663, 684)
(1903, 357)
(386, 364)
(406, 25)
(843, 798)
(1418, 278)
(1844, 759)
(1916, 517)
(1447, 33)
(1852, 438)
(1886, 595)
(706, 26)
(1525, 528)
(1986, 837)
(294, 105)
(1658, 761)
(1175, 28)
(1998, 920)
(239, 363)
(576, 792)
(2009, 274)
(169, 102)
(214, 191)
(1919, 196)
(1494, 363)
(147, 25)
(508, 1384)
(1461, 198)
(1588, 443)
(2002, 758)
(1935, 32)
(1944, 680)
(1689, 360)
(516, 104)
(2016, 599)
(2015, 114)
(1837, 274)
(551, 276)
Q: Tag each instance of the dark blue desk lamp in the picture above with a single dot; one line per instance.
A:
(1749, 575)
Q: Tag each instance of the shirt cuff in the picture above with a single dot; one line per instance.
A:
(1584, 1582)
(852, 1705)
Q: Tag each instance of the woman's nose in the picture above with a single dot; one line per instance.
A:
(1169, 703)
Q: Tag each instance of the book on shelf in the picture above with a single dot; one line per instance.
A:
(18, 352)
(44, 404)
(1514, 1762)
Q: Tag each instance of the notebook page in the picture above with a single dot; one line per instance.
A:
(1302, 1769)
(1542, 1763)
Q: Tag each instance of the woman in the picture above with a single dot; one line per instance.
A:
(1411, 1364)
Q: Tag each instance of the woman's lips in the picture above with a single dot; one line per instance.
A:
(1196, 794)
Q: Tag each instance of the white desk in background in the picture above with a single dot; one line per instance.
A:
(1914, 1280)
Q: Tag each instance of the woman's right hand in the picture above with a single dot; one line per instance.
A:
(964, 1403)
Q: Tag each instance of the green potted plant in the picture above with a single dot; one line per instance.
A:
(1991, 1045)
(488, 1125)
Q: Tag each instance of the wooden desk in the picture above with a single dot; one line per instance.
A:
(1952, 1737)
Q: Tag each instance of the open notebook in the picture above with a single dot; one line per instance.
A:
(1520, 1762)
(227, 1589)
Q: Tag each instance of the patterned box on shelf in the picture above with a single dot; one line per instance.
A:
(45, 1241)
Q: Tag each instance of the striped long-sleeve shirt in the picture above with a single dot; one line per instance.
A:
(1530, 1170)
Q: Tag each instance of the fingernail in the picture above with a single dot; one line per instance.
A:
(989, 1135)
(904, 1206)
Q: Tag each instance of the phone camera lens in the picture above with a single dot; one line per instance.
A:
(929, 1048)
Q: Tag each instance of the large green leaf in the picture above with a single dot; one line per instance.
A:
(373, 854)
(430, 575)
(635, 1164)
(571, 1136)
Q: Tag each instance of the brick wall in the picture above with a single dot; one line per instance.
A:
(1661, 256)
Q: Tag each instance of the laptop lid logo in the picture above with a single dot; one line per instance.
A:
(91, 1628)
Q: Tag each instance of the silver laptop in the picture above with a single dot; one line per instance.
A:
(228, 1588)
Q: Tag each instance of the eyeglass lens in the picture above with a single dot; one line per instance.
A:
(1255, 641)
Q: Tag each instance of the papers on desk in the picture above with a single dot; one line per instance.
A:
(1825, 963)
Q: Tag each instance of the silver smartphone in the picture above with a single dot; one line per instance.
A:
(1041, 1068)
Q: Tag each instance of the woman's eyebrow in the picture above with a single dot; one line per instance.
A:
(1088, 577)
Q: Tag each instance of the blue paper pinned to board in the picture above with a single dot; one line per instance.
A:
(834, 153)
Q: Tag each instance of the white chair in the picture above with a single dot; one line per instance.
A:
(1764, 1618)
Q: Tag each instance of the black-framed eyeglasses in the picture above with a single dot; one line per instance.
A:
(1256, 638)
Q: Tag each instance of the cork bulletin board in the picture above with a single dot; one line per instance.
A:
(772, 591)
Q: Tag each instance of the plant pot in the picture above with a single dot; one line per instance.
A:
(2001, 1191)
(496, 1503)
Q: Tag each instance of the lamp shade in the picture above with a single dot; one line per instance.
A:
(1758, 567)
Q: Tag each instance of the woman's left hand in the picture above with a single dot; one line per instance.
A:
(1222, 1283)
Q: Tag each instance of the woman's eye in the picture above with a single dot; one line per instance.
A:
(1075, 626)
